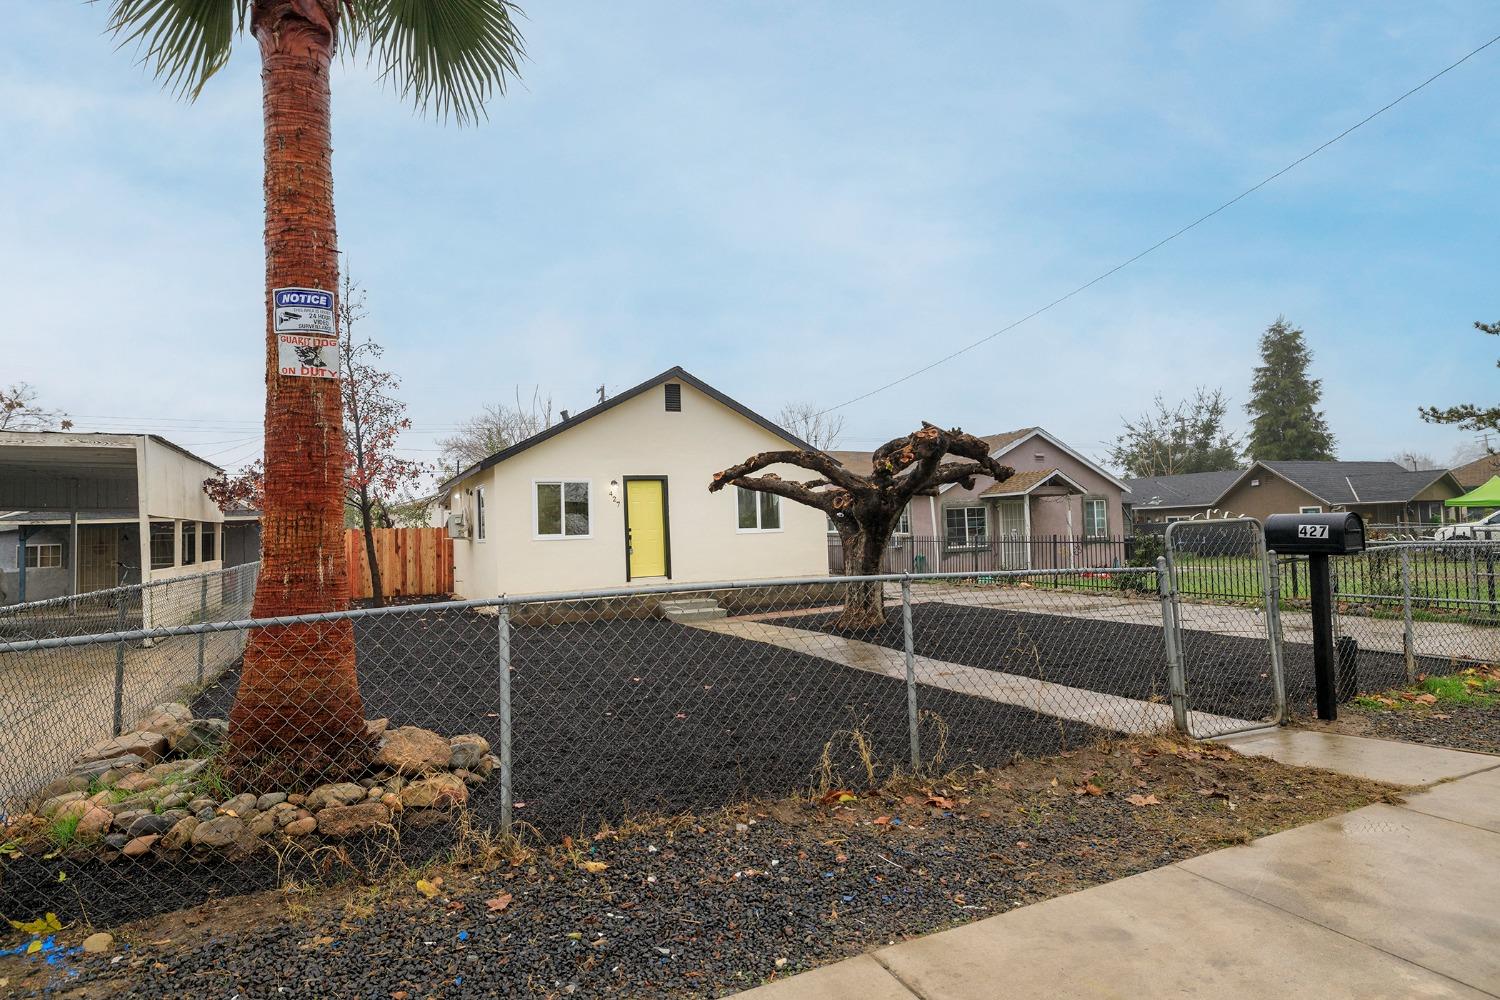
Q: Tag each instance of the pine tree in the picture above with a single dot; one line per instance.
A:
(1285, 420)
(1468, 416)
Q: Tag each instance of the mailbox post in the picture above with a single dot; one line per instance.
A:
(1319, 536)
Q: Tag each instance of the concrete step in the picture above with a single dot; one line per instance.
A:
(689, 603)
(698, 609)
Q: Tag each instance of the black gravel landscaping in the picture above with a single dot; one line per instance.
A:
(712, 905)
(612, 720)
(625, 718)
(1227, 674)
(1459, 727)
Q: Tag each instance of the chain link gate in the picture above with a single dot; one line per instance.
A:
(1222, 614)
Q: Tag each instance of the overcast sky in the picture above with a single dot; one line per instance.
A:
(794, 201)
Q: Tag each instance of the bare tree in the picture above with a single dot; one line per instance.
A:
(498, 426)
(864, 509)
(1187, 436)
(1416, 461)
(812, 423)
(19, 411)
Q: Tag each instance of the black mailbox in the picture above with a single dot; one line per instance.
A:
(1315, 534)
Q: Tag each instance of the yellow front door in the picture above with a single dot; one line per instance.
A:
(646, 513)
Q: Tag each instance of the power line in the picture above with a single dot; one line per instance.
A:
(1163, 242)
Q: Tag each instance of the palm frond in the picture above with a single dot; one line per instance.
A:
(184, 42)
(446, 56)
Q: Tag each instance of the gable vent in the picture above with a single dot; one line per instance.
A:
(674, 397)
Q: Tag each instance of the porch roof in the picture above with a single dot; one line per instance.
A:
(1023, 483)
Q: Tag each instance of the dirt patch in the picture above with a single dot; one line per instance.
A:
(1460, 710)
(707, 905)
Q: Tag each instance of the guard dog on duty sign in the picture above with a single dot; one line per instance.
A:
(305, 343)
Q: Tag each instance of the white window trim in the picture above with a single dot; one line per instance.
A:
(39, 546)
(1104, 501)
(481, 519)
(759, 531)
(536, 511)
(967, 543)
(1309, 510)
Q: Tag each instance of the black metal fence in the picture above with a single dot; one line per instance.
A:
(986, 554)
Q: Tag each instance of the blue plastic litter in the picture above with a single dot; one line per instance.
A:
(463, 935)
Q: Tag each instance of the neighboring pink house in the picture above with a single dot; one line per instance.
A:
(1059, 510)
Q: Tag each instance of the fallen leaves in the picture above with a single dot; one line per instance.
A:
(1143, 800)
(41, 925)
(593, 867)
(430, 889)
(1088, 788)
(496, 904)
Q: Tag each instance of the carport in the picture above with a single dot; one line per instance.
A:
(81, 512)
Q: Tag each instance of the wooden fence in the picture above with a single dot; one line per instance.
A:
(413, 562)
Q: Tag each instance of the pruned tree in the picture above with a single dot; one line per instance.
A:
(1188, 436)
(864, 508)
(374, 419)
(19, 411)
(498, 426)
(812, 423)
(1479, 417)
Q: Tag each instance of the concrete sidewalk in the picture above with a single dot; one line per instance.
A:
(1386, 901)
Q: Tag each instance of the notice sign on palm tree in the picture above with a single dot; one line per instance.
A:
(298, 718)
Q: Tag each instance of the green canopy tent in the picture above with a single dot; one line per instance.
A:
(1487, 495)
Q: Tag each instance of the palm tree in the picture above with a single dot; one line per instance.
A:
(298, 717)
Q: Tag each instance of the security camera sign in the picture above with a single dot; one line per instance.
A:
(307, 357)
(302, 310)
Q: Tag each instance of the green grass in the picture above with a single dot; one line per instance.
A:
(64, 830)
(1477, 687)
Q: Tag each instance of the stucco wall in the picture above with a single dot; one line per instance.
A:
(638, 437)
(1274, 495)
(1049, 512)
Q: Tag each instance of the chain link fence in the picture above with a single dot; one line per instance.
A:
(1436, 605)
(548, 716)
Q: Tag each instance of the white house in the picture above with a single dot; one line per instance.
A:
(618, 495)
(82, 512)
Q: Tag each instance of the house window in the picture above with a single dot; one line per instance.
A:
(1095, 518)
(209, 544)
(758, 511)
(163, 536)
(903, 523)
(1309, 510)
(189, 542)
(965, 526)
(562, 509)
(479, 514)
(43, 555)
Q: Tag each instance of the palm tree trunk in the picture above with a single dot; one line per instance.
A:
(298, 718)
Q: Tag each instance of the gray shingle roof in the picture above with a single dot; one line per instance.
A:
(1356, 482)
(1194, 489)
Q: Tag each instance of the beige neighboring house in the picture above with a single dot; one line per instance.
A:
(1478, 472)
(1059, 509)
(617, 496)
(91, 511)
(1383, 493)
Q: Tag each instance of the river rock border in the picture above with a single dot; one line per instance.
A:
(152, 793)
